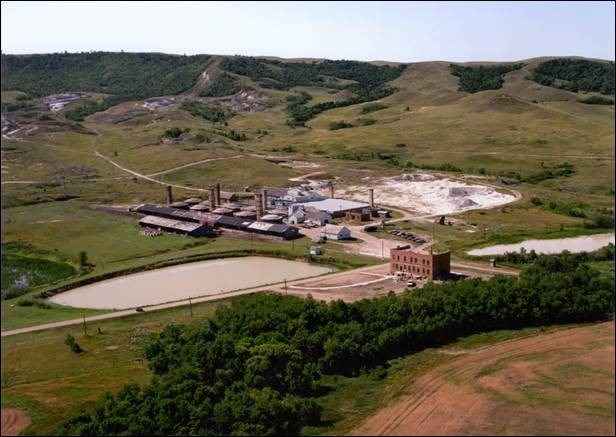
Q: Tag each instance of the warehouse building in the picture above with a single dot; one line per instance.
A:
(222, 221)
(176, 226)
(333, 232)
(336, 207)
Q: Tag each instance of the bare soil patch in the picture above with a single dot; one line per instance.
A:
(13, 421)
(560, 383)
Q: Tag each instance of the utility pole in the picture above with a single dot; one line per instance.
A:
(382, 250)
(285, 286)
(190, 304)
(85, 328)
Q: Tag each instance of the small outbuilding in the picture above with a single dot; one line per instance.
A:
(315, 250)
(333, 232)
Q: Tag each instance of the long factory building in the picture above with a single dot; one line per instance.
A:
(215, 220)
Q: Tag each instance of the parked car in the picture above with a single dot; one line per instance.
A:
(411, 284)
(139, 309)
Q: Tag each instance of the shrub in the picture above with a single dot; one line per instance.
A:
(174, 132)
(72, 344)
(372, 108)
(339, 125)
(597, 100)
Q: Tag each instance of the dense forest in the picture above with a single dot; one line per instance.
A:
(214, 114)
(576, 75)
(368, 81)
(255, 367)
(127, 75)
(474, 79)
(225, 85)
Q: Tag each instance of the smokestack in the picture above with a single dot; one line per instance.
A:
(218, 202)
(264, 200)
(331, 190)
(371, 193)
(169, 195)
(259, 205)
(212, 199)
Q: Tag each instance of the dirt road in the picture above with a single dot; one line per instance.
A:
(190, 164)
(142, 176)
(560, 383)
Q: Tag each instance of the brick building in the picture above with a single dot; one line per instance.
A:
(419, 263)
(358, 216)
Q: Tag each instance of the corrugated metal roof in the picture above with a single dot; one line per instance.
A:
(333, 229)
(169, 223)
(261, 226)
(335, 205)
(275, 191)
(195, 217)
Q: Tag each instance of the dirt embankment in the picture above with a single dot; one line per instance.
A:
(13, 421)
(553, 384)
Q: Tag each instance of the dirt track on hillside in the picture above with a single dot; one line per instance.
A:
(552, 384)
(13, 421)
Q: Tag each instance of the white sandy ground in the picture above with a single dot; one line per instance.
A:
(426, 194)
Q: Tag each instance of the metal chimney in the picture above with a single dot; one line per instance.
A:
(169, 195)
(371, 193)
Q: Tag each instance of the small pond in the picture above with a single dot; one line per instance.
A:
(187, 280)
(586, 243)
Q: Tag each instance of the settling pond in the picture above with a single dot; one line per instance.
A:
(575, 244)
(187, 280)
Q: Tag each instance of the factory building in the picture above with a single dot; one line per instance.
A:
(308, 215)
(283, 197)
(419, 263)
(336, 207)
(359, 216)
(218, 220)
(176, 226)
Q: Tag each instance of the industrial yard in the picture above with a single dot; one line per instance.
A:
(269, 246)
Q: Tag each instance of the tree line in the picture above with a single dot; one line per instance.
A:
(225, 85)
(255, 367)
(369, 82)
(211, 113)
(483, 77)
(577, 75)
(129, 75)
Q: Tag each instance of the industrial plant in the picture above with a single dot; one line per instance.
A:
(273, 211)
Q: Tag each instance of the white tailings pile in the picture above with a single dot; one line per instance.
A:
(426, 194)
